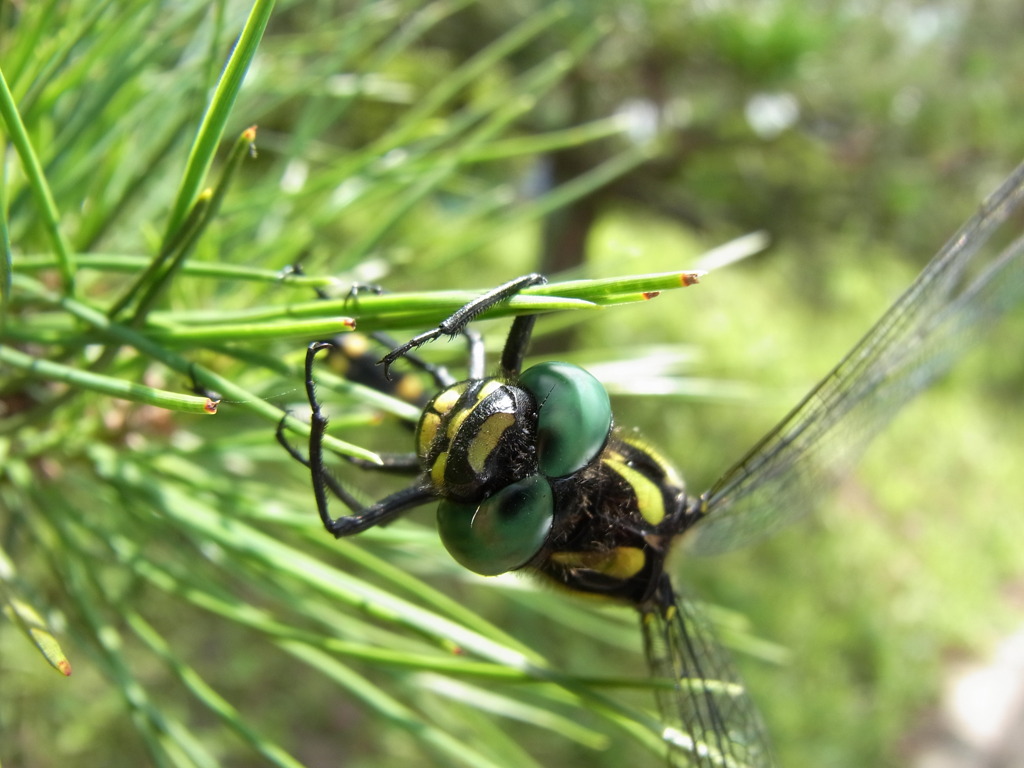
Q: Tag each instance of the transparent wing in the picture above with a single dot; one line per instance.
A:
(931, 325)
(709, 720)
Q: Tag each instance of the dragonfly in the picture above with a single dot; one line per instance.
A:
(529, 472)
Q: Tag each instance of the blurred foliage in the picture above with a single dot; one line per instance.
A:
(454, 144)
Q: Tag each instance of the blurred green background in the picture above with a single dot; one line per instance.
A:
(454, 145)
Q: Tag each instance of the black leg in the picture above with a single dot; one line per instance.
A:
(476, 362)
(383, 511)
(335, 487)
(442, 378)
(458, 321)
(440, 375)
(516, 344)
(198, 388)
(296, 270)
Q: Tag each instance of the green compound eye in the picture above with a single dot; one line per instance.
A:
(575, 416)
(503, 532)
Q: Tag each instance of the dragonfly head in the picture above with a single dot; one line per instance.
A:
(491, 449)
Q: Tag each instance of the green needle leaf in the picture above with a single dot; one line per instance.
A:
(29, 620)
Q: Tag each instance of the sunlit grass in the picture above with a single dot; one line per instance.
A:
(177, 558)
